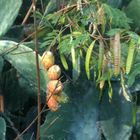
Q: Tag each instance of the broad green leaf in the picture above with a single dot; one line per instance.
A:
(8, 12)
(2, 129)
(116, 117)
(87, 60)
(16, 89)
(23, 59)
(76, 120)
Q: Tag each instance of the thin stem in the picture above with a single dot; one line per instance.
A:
(27, 15)
(38, 71)
(34, 120)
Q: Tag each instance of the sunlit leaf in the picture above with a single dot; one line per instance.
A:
(130, 56)
(73, 56)
(64, 62)
(87, 60)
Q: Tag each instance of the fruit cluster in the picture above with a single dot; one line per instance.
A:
(55, 86)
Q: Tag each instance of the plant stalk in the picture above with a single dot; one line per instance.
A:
(37, 70)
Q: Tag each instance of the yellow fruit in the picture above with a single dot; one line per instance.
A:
(55, 86)
(47, 59)
(54, 72)
(52, 104)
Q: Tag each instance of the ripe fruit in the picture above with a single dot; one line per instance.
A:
(54, 72)
(52, 104)
(55, 86)
(47, 59)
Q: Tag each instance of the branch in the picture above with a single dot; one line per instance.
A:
(37, 70)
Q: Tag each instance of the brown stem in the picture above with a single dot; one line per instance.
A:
(37, 70)
(34, 120)
(27, 15)
(1, 104)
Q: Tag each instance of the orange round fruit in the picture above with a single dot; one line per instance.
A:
(55, 86)
(52, 104)
(54, 72)
(55, 96)
(47, 59)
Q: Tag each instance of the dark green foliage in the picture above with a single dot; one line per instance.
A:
(90, 113)
(116, 17)
(116, 117)
(84, 117)
(2, 129)
(77, 119)
(132, 11)
(115, 3)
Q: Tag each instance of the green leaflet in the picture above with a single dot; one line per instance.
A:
(110, 90)
(88, 56)
(64, 62)
(130, 56)
(100, 59)
(124, 91)
(73, 56)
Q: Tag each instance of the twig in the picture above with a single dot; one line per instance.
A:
(27, 15)
(30, 124)
(13, 127)
(1, 104)
(38, 71)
